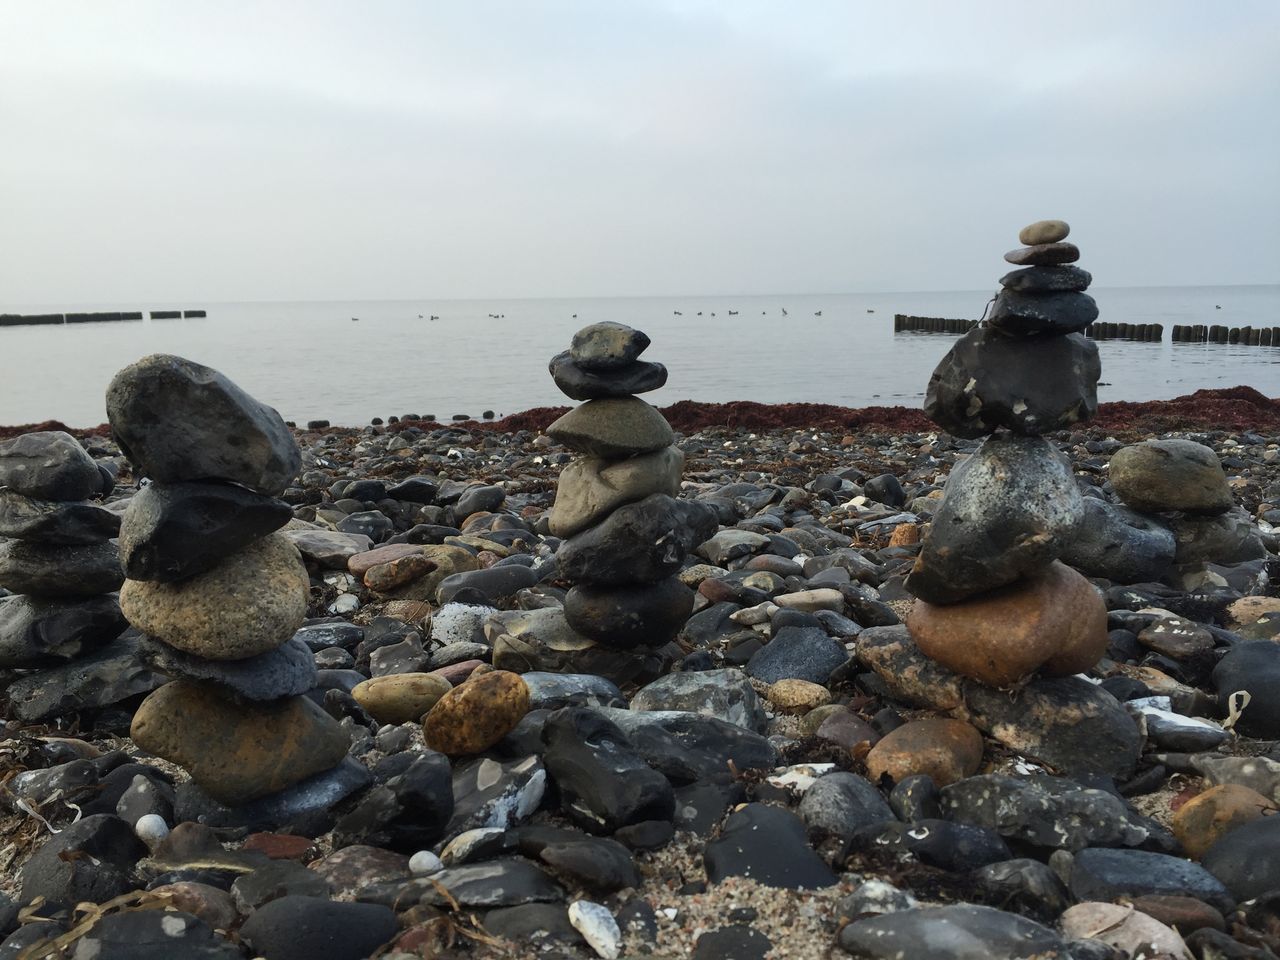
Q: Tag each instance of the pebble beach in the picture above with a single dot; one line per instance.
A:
(999, 677)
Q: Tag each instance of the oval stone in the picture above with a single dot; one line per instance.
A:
(401, 697)
(946, 750)
(1044, 255)
(1044, 231)
(476, 715)
(613, 427)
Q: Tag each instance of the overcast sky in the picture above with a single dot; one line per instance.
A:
(278, 150)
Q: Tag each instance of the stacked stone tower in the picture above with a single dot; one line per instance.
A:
(627, 535)
(994, 602)
(215, 588)
(58, 555)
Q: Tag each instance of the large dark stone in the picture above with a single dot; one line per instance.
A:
(604, 782)
(959, 932)
(304, 928)
(105, 676)
(495, 883)
(286, 671)
(607, 345)
(580, 384)
(1008, 511)
(408, 813)
(1044, 254)
(1046, 279)
(1116, 543)
(172, 531)
(48, 465)
(1247, 859)
(638, 543)
(1101, 874)
(627, 616)
(1255, 668)
(91, 859)
(1025, 314)
(54, 522)
(179, 420)
(46, 571)
(1030, 385)
(153, 935)
(955, 847)
(840, 804)
(34, 632)
(485, 586)
(767, 845)
(800, 653)
(690, 747)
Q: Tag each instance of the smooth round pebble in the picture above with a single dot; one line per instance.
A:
(151, 829)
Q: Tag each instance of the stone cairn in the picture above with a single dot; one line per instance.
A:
(216, 590)
(995, 604)
(627, 534)
(58, 557)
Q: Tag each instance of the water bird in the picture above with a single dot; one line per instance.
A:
(817, 313)
(784, 311)
(433, 316)
(699, 313)
(713, 313)
(1217, 306)
(354, 319)
(677, 313)
(869, 310)
(733, 313)
(575, 316)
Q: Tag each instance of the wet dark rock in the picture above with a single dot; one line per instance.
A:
(801, 653)
(1101, 874)
(53, 522)
(1046, 279)
(55, 571)
(724, 694)
(153, 935)
(304, 928)
(957, 847)
(1026, 883)
(638, 543)
(408, 812)
(840, 804)
(988, 380)
(172, 531)
(414, 490)
(601, 865)
(734, 942)
(1247, 859)
(1119, 544)
(486, 586)
(785, 860)
(551, 691)
(580, 384)
(284, 672)
(1255, 668)
(689, 747)
(916, 798)
(106, 676)
(495, 883)
(604, 782)
(647, 614)
(958, 932)
(1055, 312)
(477, 498)
(276, 879)
(35, 632)
(306, 807)
(48, 465)
(157, 405)
(91, 859)
(534, 925)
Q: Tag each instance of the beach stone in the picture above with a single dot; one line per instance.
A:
(988, 380)
(409, 812)
(599, 347)
(957, 932)
(178, 420)
(689, 747)
(328, 549)
(48, 465)
(578, 383)
(727, 545)
(733, 942)
(495, 883)
(1105, 874)
(797, 696)
(604, 783)
(237, 751)
(356, 866)
(942, 749)
(1116, 543)
(304, 928)
(474, 716)
(1124, 927)
(1044, 254)
(1055, 623)
(54, 522)
(1254, 667)
(602, 866)
(1008, 511)
(1159, 475)
(386, 577)
(1176, 637)
(287, 671)
(1046, 279)
(54, 871)
(488, 585)
(839, 804)
(59, 571)
(802, 653)
(786, 861)
(1028, 314)
(215, 907)
(637, 543)
(590, 488)
(100, 678)
(647, 614)
(1249, 610)
(1049, 812)
(1228, 538)
(1044, 231)
(551, 691)
(1246, 859)
(35, 632)
(419, 489)
(1206, 818)
(249, 604)
(174, 531)
(724, 694)
(153, 935)
(401, 697)
(613, 427)
(1028, 884)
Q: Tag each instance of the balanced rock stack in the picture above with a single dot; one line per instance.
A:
(216, 590)
(56, 552)
(995, 604)
(627, 534)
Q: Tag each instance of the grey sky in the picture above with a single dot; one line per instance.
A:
(311, 150)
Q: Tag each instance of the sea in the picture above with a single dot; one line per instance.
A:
(348, 362)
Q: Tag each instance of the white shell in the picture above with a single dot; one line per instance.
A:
(598, 928)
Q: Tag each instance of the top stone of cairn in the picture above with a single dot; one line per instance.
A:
(1044, 231)
(607, 346)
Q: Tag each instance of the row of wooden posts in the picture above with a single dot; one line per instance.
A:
(1141, 332)
(45, 319)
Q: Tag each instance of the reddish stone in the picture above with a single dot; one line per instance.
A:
(455, 673)
(279, 846)
(361, 563)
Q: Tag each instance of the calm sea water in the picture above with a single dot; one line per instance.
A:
(312, 361)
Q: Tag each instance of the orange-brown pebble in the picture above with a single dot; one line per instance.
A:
(1205, 819)
(476, 715)
(797, 696)
(904, 535)
(946, 750)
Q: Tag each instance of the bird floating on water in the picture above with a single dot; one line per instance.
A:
(817, 313)
(784, 311)
(677, 313)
